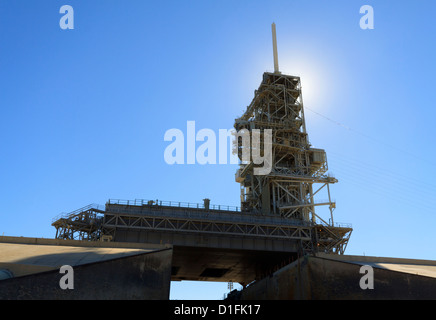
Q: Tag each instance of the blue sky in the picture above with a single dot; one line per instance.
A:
(84, 111)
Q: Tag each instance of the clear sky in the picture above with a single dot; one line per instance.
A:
(84, 111)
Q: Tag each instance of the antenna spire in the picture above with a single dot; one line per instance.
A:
(274, 38)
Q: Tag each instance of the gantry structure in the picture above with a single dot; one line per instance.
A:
(297, 172)
(277, 219)
(288, 189)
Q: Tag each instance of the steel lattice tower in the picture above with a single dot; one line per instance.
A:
(298, 171)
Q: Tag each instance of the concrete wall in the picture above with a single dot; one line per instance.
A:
(319, 278)
(141, 276)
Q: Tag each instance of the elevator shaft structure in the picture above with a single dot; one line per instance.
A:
(298, 171)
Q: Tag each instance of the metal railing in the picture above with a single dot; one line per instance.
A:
(343, 225)
(335, 224)
(220, 216)
(179, 204)
(65, 215)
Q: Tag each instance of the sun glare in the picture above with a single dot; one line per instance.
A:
(314, 83)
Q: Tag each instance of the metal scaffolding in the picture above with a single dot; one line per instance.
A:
(298, 171)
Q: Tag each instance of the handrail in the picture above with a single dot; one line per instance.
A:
(64, 215)
(180, 204)
(228, 217)
(335, 224)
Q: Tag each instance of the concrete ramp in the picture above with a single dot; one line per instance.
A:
(425, 268)
(101, 270)
(338, 277)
